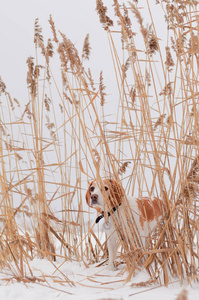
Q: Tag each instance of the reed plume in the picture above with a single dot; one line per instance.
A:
(102, 12)
(101, 90)
(86, 48)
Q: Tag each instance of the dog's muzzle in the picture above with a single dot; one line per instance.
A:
(94, 199)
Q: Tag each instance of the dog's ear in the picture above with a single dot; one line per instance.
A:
(88, 195)
(116, 192)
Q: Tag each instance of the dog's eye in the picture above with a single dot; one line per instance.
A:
(106, 188)
(92, 189)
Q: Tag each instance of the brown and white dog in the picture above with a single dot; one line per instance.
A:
(145, 211)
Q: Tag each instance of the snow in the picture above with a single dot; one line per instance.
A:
(88, 283)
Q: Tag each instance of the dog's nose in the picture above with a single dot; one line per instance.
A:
(94, 198)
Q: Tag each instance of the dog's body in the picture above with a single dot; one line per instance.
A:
(145, 211)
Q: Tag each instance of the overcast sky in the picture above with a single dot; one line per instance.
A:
(75, 18)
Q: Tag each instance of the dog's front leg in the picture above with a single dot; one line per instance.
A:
(112, 245)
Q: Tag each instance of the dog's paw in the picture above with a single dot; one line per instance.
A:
(111, 267)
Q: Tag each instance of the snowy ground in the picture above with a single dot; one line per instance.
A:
(89, 283)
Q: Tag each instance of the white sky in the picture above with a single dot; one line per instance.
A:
(75, 18)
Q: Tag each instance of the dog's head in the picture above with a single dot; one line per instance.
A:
(108, 191)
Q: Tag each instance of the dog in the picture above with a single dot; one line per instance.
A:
(107, 197)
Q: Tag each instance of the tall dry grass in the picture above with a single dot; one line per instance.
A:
(62, 139)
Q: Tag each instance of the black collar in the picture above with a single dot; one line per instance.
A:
(102, 215)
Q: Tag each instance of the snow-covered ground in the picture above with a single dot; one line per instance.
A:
(89, 283)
